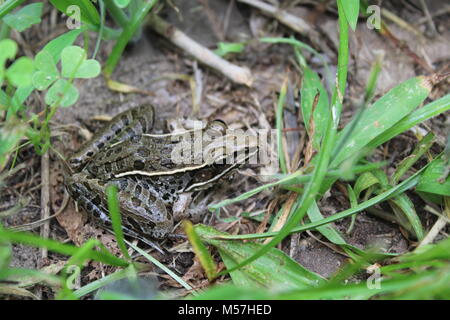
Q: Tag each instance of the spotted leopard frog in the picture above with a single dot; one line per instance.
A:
(153, 175)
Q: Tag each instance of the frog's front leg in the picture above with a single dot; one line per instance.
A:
(181, 208)
(123, 126)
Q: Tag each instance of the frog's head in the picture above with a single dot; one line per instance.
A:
(221, 157)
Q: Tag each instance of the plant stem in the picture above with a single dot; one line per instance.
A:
(117, 14)
(126, 35)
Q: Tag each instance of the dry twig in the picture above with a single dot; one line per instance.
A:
(45, 199)
(235, 73)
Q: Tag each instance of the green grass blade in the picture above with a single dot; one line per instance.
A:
(351, 9)
(116, 220)
(8, 6)
(326, 230)
(279, 126)
(365, 181)
(311, 85)
(431, 181)
(161, 266)
(200, 251)
(403, 207)
(294, 178)
(398, 189)
(427, 112)
(97, 284)
(69, 250)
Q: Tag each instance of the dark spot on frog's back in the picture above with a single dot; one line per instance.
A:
(136, 202)
(144, 124)
(138, 190)
(109, 153)
(97, 200)
(134, 223)
(116, 129)
(125, 120)
(135, 113)
(88, 206)
(138, 165)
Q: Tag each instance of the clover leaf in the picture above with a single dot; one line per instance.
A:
(46, 73)
(25, 17)
(8, 50)
(62, 93)
(75, 65)
(20, 72)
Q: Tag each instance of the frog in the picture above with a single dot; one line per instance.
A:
(154, 185)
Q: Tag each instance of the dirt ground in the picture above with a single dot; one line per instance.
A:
(150, 60)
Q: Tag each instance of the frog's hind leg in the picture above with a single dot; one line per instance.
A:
(123, 126)
(96, 209)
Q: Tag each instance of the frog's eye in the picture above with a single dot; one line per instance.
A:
(216, 128)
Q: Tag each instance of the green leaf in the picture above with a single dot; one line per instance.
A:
(101, 254)
(380, 116)
(46, 73)
(21, 94)
(75, 65)
(311, 85)
(25, 17)
(63, 93)
(201, 251)
(279, 126)
(8, 6)
(122, 3)
(20, 72)
(56, 46)
(88, 12)
(5, 257)
(351, 10)
(423, 146)
(274, 269)
(10, 136)
(404, 208)
(365, 181)
(430, 110)
(431, 179)
(224, 48)
(327, 230)
(8, 50)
